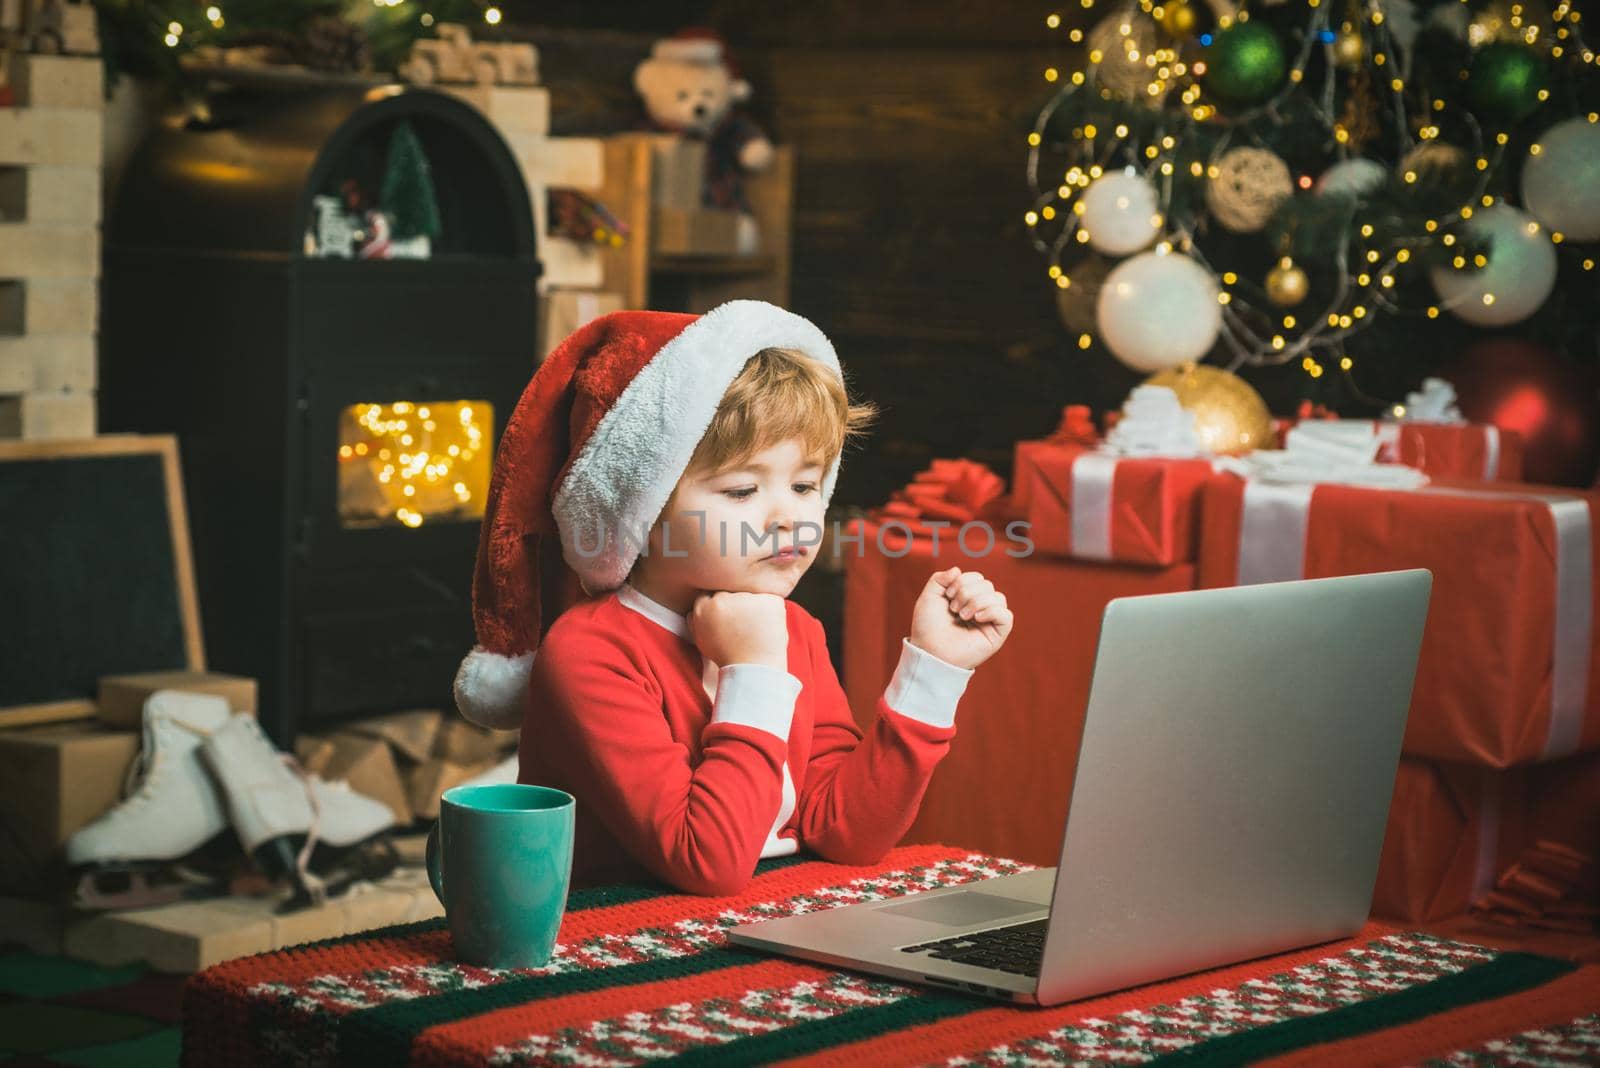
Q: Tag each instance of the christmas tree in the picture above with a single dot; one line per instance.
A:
(407, 193)
(1371, 191)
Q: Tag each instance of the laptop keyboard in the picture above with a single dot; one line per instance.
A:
(1017, 949)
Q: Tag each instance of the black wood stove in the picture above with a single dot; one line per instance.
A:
(337, 416)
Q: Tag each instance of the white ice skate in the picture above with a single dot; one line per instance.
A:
(272, 801)
(127, 858)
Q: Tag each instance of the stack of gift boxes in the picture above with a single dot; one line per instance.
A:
(1497, 801)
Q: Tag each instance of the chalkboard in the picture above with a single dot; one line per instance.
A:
(95, 571)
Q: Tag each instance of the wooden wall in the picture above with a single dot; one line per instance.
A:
(909, 123)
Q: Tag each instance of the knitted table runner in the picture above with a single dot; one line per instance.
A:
(641, 974)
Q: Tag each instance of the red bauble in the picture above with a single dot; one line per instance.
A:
(1542, 395)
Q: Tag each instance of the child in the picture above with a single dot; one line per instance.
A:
(690, 707)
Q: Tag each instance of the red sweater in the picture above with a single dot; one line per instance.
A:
(692, 788)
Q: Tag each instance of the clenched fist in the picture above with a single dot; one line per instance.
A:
(740, 628)
(960, 618)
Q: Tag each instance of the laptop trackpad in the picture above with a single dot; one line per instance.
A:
(959, 910)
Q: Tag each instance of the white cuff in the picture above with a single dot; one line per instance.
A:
(755, 695)
(926, 688)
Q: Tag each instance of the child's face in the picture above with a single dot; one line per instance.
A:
(720, 530)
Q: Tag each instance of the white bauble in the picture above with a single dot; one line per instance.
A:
(1120, 212)
(1158, 311)
(1561, 185)
(1519, 276)
(1352, 178)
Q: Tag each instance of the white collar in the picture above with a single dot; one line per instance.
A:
(654, 610)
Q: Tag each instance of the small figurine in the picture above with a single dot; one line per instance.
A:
(455, 58)
(690, 86)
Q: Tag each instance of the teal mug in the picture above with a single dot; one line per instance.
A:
(500, 860)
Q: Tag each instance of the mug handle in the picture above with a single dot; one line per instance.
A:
(435, 875)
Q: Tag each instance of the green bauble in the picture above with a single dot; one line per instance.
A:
(1245, 64)
(1505, 81)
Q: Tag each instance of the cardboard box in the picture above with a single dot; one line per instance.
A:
(50, 136)
(190, 935)
(46, 81)
(578, 162)
(362, 761)
(38, 416)
(409, 734)
(460, 742)
(571, 264)
(68, 195)
(678, 174)
(695, 232)
(47, 363)
(565, 310)
(513, 109)
(122, 697)
(40, 250)
(53, 780)
(432, 778)
(56, 306)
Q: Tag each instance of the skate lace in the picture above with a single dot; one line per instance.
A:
(313, 883)
(138, 782)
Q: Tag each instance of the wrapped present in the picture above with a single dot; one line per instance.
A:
(1092, 505)
(1020, 720)
(1517, 845)
(1507, 673)
(1454, 451)
(1451, 451)
(948, 494)
(1076, 428)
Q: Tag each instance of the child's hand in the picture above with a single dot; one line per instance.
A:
(960, 618)
(741, 628)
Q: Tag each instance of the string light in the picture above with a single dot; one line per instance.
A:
(1103, 140)
(407, 464)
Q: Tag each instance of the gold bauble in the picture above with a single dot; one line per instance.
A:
(1077, 302)
(1249, 185)
(1349, 50)
(1287, 284)
(1124, 43)
(1177, 18)
(1230, 416)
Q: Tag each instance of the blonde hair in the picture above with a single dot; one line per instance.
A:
(781, 394)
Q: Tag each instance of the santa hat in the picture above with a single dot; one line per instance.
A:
(594, 448)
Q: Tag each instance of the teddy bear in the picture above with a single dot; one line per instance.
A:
(690, 86)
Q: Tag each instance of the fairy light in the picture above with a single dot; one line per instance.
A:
(1084, 341)
(1113, 140)
(492, 16)
(440, 469)
(1052, 20)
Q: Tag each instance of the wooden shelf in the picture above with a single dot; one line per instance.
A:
(761, 263)
(693, 283)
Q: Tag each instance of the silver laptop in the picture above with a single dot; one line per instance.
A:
(1232, 788)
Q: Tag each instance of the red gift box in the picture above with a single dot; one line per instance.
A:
(1091, 505)
(1517, 843)
(1022, 715)
(1076, 428)
(1454, 450)
(1507, 673)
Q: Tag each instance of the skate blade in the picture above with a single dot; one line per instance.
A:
(366, 862)
(141, 892)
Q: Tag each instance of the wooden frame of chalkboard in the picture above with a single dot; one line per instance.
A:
(96, 571)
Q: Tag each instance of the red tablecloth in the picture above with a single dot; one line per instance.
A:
(640, 975)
